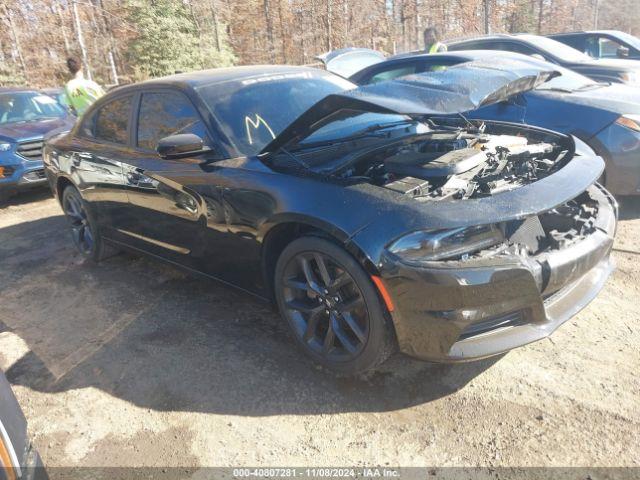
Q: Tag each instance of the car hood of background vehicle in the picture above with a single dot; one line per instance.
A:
(17, 132)
(347, 61)
(458, 89)
(611, 64)
(615, 98)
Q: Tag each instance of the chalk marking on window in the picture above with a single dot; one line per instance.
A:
(256, 124)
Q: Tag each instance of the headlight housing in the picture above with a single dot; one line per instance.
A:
(630, 121)
(425, 245)
(5, 147)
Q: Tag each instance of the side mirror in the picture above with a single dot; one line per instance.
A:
(622, 52)
(181, 145)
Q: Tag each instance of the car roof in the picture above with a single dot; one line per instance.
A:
(17, 90)
(217, 75)
(581, 32)
(522, 36)
(465, 54)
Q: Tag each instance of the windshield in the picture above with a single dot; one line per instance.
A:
(627, 38)
(569, 81)
(332, 144)
(254, 111)
(347, 123)
(27, 106)
(557, 49)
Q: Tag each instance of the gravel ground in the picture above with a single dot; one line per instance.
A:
(134, 363)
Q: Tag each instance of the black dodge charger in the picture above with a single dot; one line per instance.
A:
(376, 217)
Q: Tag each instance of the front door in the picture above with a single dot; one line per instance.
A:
(166, 218)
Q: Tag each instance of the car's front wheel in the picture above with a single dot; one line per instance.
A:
(332, 307)
(84, 230)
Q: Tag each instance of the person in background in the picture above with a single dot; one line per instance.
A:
(431, 43)
(80, 93)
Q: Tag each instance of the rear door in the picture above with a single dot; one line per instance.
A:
(96, 156)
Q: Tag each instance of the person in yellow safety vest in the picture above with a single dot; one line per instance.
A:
(80, 93)
(431, 43)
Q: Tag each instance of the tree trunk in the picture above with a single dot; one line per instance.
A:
(63, 30)
(329, 27)
(83, 48)
(283, 33)
(487, 17)
(540, 13)
(216, 27)
(267, 17)
(16, 40)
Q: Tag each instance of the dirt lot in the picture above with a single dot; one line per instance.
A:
(133, 363)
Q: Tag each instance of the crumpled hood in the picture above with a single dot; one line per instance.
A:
(457, 89)
(17, 132)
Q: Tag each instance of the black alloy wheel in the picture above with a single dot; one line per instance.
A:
(81, 230)
(84, 230)
(331, 306)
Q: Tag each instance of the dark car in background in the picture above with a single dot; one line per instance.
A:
(605, 116)
(602, 43)
(610, 70)
(26, 116)
(18, 459)
(373, 218)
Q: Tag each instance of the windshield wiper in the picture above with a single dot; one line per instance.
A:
(592, 86)
(556, 89)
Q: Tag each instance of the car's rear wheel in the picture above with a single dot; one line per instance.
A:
(332, 307)
(84, 230)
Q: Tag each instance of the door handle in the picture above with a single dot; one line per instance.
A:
(133, 178)
(186, 202)
(77, 157)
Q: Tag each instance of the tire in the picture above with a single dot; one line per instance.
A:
(5, 195)
(331, 306)
(84, 229)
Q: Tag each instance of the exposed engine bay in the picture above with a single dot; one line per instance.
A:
(459, 163)
(455, 161)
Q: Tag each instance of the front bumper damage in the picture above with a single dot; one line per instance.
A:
(463, 310)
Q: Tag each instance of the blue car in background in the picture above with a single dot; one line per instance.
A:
(26, 117)
(604, 116)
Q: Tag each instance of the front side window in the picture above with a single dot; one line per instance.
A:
(608, 48)
(164, 114)
(112, 121)
(555, 49)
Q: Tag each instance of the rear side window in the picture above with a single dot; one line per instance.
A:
(513, 47)
(164, 114)
(112, 121)
(576, 41)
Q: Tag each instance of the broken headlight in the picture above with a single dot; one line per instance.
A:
(425, 246)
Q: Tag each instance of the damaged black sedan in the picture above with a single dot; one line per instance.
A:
(376, 217)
